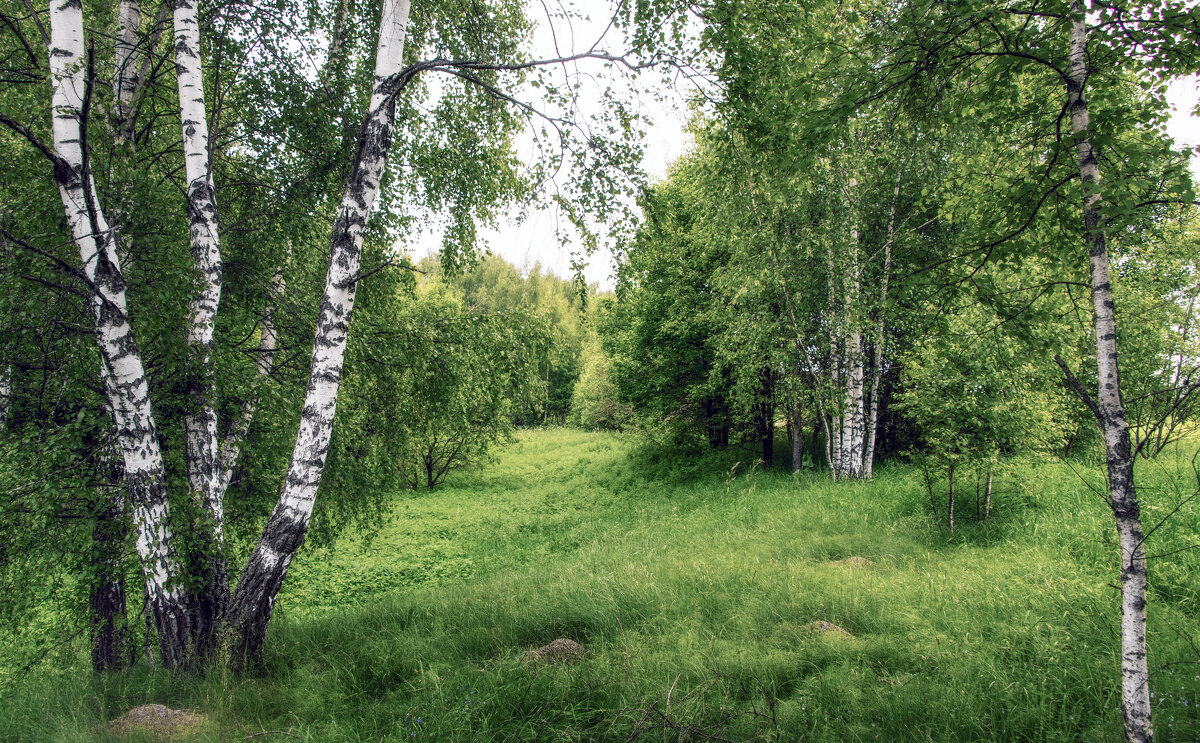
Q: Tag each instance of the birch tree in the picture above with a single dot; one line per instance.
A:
(126, 384)
(1048, 47)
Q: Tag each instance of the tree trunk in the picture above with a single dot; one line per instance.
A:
(880, 338)
(950, 499)
(1109, 408)
(109, 628)
(797, 437)
(987, 493)
(263, 576)
(5, 393)
(128, 72)
(200, 420)
(127, 384)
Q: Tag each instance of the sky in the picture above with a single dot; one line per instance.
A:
(533, 238)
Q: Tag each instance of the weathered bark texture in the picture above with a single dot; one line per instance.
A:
(261, 579)
(200, 421)
(126, 384)
(1108, 406)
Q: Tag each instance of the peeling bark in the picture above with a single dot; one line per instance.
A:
(263, 576)
(1109, 408)
(126, 381)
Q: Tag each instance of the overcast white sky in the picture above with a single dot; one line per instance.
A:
(534, 239)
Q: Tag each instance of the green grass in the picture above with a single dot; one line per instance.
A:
(691, 589)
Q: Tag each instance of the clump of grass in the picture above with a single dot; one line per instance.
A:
(694, 597)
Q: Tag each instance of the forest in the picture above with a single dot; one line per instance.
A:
(886, 425)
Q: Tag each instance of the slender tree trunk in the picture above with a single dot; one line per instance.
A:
(950, 499)
(127, 382)
(109, 629)
(128, 71)
(852, 414)
(797, 425)
(5, 393)
(263, 576)
(200, 421)
(880, 337)
(987, 493)
(1109, 408)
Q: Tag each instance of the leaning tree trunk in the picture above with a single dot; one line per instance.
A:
(127, 382)
(263, 576)
(200, 420)
(1109, 408)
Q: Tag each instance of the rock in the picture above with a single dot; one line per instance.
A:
(855, 562)
(827, 628)
(163, 722)
(561, 650)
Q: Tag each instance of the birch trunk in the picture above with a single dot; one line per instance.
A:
(128, 72)
(126, 377)
(850, 459)
(261, 579)
(1109, 408)
(5, 393)
(200, 421)
(880, 338)
(797, 437)
(109, 622)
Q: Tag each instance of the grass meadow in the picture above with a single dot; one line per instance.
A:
(692, 583)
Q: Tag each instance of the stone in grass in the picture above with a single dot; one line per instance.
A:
(828, 628)
(855, 562)
(162, 722)
(561, 650)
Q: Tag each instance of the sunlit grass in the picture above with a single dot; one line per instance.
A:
(693, 591)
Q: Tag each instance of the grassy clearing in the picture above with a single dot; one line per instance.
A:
(692, 589)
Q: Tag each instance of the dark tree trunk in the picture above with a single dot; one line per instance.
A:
(109, 622)
(797, 428)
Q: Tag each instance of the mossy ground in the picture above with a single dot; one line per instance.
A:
(691, 583)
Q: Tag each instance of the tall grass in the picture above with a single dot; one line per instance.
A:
(693, 585)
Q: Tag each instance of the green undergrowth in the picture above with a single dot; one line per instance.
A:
(692, 585)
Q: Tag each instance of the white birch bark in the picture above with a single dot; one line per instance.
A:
(200, 423)
(880, 338)
(5, 393)
(128, 71)
(127, 383)
(284, 532)
(1109, 408)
